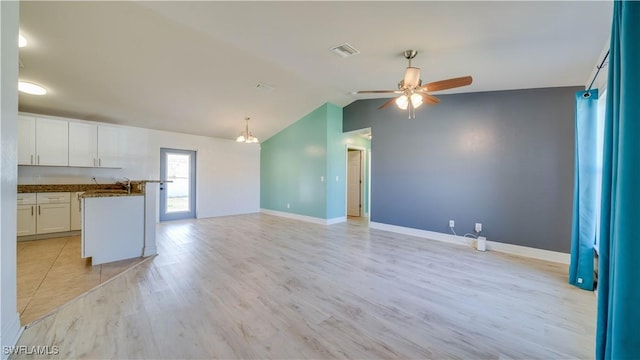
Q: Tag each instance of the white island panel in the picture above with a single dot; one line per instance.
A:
(113, 228)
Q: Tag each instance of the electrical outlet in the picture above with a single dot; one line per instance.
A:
(452, 223)
(478, 227)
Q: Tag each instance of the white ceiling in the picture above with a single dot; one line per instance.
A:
(193, 67)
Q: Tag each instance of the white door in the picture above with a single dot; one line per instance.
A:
(26, 140)
(53, 218)
(52, 142)
(354, 183)
(83, 144)
(26, 220)
(178, 194)
(108, 146)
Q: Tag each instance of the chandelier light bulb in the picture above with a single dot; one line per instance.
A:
(246, 136)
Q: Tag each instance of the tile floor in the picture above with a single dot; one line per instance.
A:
(51, 273)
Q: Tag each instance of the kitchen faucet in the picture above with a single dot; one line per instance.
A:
(127, 185)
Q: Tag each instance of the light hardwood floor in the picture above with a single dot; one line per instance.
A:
(259, 286)
(51, 273)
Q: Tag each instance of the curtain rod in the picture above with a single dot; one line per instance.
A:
(599, 67)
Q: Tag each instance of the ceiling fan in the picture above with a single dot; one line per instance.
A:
(411, 92)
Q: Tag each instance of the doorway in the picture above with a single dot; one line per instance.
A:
(178, 192)
(355, 176)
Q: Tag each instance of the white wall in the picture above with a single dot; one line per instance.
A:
(9, 320)
(227, 173)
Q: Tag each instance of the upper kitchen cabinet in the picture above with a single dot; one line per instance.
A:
(83, 144)
(27, 140)
(108, 146)
(43, 141)
(92, 145)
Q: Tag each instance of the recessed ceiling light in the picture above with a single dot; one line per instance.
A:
(31, 88)
(22, 41)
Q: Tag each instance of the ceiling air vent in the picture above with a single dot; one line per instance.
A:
(264, 87)
(345, 50)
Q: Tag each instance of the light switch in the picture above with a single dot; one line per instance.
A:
(321, 178)
(337, 178)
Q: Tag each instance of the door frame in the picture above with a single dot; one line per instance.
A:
(162, 214)
(363, 165)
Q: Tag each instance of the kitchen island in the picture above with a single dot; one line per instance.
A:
(112, 226)
(118, 220)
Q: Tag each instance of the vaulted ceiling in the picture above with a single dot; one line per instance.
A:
(194, 67)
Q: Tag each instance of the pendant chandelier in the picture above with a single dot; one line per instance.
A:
(246, 136)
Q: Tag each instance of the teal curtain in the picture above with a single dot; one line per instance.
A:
(585, 205)
(617, 336)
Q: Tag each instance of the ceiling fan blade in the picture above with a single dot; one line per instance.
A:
(428, 98)
(379, 92)
(387, 103)
(447, 84)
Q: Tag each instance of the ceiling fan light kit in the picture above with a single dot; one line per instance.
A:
(412, 92)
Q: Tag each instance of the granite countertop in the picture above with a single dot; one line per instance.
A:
(91, 190)
(90, 194)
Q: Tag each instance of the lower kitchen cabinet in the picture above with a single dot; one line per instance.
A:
(26, 220)
(26, 214)
(53, 218)
(43, 213)
(76, 211)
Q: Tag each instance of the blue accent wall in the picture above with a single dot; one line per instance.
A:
(504, 159)
(299, 166)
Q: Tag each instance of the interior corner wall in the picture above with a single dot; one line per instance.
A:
(9, 320)
(336, 164)
(293, 167)
(504, 159)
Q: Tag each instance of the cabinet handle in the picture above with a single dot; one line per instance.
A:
(38, 159)
(31, 210)
(99, 162)
(38, 209)
(31, 161)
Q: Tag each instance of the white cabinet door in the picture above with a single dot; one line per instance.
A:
(52, 142)
(76, 214)
(83, 144)
(26, 140)
(53, 218)
(108, 146)
(26, 220)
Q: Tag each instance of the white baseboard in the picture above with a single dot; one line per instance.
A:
(10, 335)
(534, 253)
(150, 250)
(306, 218)
(336, 220)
